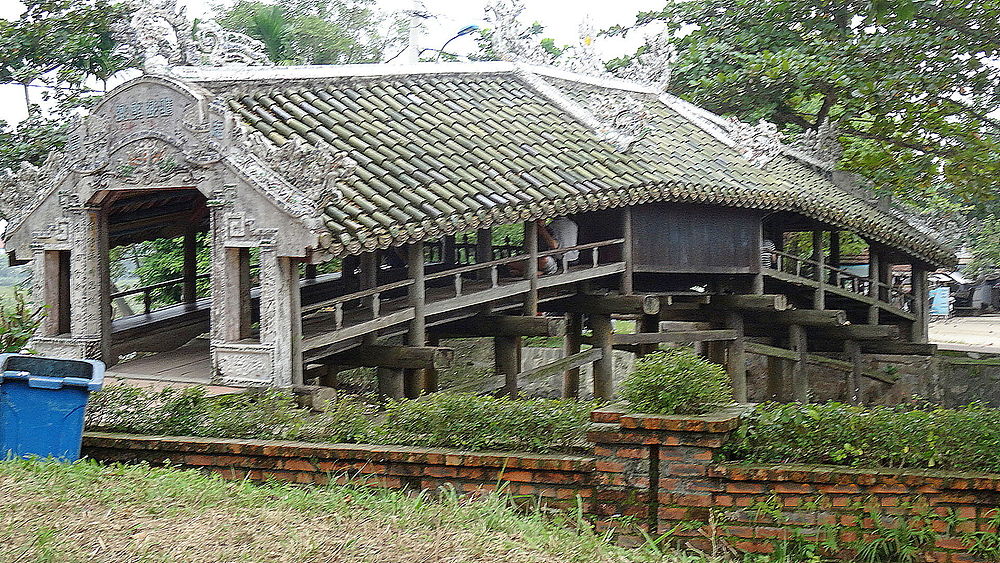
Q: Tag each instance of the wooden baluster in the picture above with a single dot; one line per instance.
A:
(494, 276)
(376, 304)
(458, 285)
(338, 315)
(565, 263)
(593, 256)
(147, 300)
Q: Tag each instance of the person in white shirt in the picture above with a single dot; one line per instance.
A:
(561, 232)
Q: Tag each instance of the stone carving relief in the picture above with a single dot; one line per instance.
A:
(624, 120)
(303, 176)
(165, 37)
(243, 364)
(821, 144)
(151, 162)
(510, 39)
(759, 143)
(651, 66)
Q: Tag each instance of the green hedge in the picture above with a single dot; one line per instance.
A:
(456, 420)
(676, 382)
(962, 439)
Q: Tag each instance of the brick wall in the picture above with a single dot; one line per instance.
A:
(658, 473)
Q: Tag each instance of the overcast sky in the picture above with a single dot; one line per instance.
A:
(561, 19)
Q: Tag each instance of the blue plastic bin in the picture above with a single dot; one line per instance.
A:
(42, 403)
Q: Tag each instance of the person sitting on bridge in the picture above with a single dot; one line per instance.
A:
(560, 233)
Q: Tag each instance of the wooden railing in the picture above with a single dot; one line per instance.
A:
(844, 279)
(147, 291)
(483, 271)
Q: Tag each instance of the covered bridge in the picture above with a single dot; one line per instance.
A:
(341, 205)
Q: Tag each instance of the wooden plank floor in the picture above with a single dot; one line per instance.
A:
(190, 363)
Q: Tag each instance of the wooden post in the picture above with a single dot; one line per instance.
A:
(571, 345)
(431, 376)
(448, 255)
(819, 295)
(603, 369)
(874, 265)
(531, 272)
(507, 350)
(647, 324)
(417, 335)
(368, 279)
(390, 383)
(919, 290)
(835, 257)
(853, 350)
(800, 377)
(627, 276)
(736, 363)
(189, 291)
(757, 282)
(484, 247)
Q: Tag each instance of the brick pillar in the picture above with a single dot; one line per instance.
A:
(655, 468)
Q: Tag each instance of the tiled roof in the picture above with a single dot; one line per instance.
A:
(443, 152)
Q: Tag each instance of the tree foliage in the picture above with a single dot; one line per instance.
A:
(317, 31)
(910, 82)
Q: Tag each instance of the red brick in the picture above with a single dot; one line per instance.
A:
(792, 488)
(950, 543)
(693, 500)
(199, 460)
(610, 466)
(746, 488)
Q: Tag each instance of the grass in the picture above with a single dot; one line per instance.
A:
(87, 512)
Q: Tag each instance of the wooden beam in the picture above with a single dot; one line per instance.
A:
(607, 304)
(808, 317)
(564, 364)
(768, 303)
(770, 351)
(858, 332)
(395, 357)
(678, 336)
(502, 325)
(853, 351)
(899, 348)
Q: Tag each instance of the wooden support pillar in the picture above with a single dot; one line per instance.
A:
(484, 246)
(874, 265)
(189, 291)
(417, 335)
(627, 276)
(647, 324)
(531, 272)
(757, 282)
(507, 352)
(853, 350)
(604, 368)
(819, 295)
(390, 383)
(431, 376)
(800, 377)
(367, 279)
(736, 362)
(919, 290)
(835, 257)
(448, 255)
(571, 345)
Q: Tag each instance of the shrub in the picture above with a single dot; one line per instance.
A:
(442, 419)
(964, 439)
(676, 382)
(468, 421)
(18, 322)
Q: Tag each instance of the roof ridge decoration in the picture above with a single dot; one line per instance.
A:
(166, 37)
(314, 170)
(619, 120)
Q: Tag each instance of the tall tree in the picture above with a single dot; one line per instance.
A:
(911, 83)
(317, 31)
